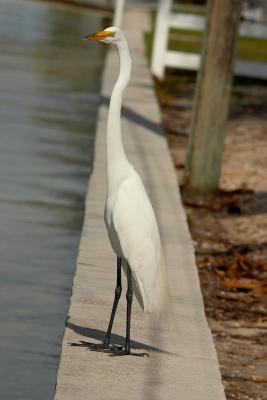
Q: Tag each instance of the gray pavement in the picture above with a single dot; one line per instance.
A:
(188, 371)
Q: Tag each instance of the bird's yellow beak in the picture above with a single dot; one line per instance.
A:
(99, 35)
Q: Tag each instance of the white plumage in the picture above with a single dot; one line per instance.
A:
(134, 236)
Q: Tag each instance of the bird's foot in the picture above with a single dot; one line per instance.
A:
(104, 348)
(112, 350)
(98, 346)
(92, 346)
(119, 351)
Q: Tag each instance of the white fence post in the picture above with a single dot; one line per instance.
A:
(118, 13)
(161, 35)
(162, 57)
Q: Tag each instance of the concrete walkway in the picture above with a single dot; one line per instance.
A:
(190, 370)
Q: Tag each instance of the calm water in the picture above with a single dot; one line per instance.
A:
(49, 84)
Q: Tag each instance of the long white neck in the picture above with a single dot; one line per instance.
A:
(117, 162)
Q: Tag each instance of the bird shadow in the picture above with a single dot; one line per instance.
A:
(117, 340)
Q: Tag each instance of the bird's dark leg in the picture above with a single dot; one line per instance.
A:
(116, 351)
(105, 344)
(115, 303)
(129, 297)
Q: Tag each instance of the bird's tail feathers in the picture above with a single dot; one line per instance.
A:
(161, 308)
(163, 315)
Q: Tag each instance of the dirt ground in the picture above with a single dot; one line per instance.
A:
(230, 234)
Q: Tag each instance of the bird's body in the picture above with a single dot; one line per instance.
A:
(134, 236)
(129, 216)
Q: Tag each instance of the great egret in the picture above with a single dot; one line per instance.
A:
(129, 217)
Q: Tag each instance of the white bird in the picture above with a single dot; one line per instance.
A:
(129, 217)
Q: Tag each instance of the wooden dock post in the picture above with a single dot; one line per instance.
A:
(205, 149)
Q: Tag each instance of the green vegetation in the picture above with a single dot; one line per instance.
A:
(189, 8)
(190, 41)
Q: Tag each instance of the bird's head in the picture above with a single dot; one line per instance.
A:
(110, 35)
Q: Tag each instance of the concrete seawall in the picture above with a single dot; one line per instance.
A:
(190, 370)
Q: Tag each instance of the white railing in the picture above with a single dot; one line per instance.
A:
(162, 57)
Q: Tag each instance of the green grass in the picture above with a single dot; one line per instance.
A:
(189, 8)
(249, 49)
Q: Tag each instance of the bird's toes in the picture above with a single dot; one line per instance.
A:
(122, 352)
(98, 346)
